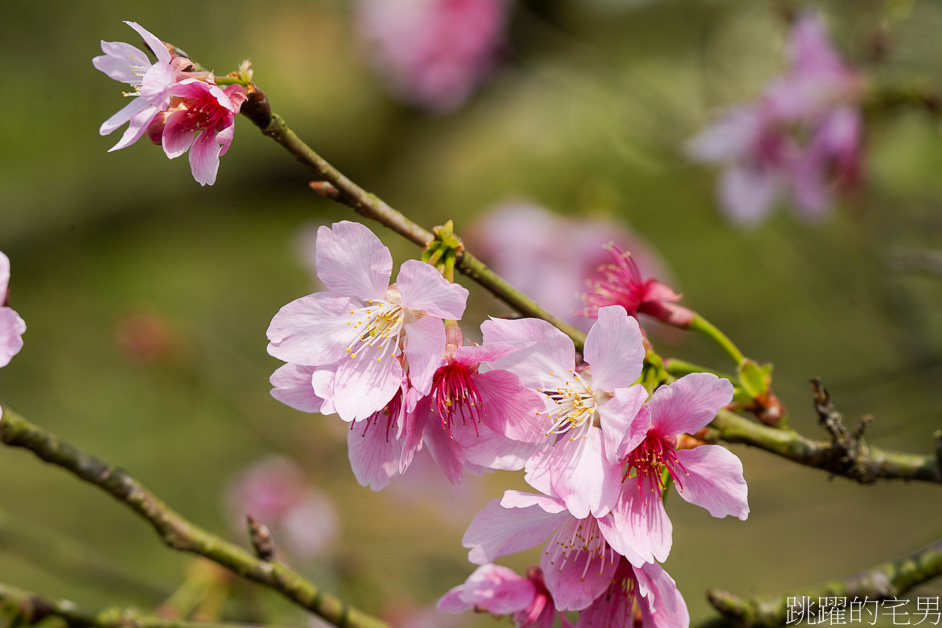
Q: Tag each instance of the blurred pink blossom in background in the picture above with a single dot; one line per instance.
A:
(12, 326)
(551, 258)
(801, 139)
(275, 492)
(433, 53)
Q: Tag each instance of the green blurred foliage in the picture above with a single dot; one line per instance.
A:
(587, 116)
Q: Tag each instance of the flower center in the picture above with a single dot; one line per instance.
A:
(204, 113)
(456, 397)
(378, 326)
(620, 284)
(650, 459)
(575, 404)
(619, 599)
(578, 541)
(389, 414)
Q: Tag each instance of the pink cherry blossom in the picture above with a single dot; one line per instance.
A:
(475, 419)
(552, 258)
(708, 476)
(579, 559)
(646, 593)
(12, 326)
(274, 491)
(361, 325)
(433, 53)
(500, 591)
(757, 143)
(622, 284)
(590, 409)
(201, 119)
(151, 83)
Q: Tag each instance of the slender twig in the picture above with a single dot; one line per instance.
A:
(866, 466)
(885, 581)
(337, 187)
(176, 531)
(33, 608)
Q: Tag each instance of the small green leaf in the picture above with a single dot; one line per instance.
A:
(755, 379)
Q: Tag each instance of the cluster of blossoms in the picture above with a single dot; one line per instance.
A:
(801, 138)
(599, 449)
(174, 106)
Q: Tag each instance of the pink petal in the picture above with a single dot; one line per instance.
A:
(809, 48)
(689, 403)
(477, 354)
(582, 477)
(323, 382)
(176, 139)
(613, 349)
(118, 59)
(204, 158)
(157, 46)
(729, 138)
(498, 590)
(453, 601)
(352, 261)
(497, 531)
(312, 330)
(623, 424)
(714, 481)
(577, 582)
(644, 527)
(510, 409)
(491, 450)
(423, 288)
(374, 452)
(363, 386)
(615, 537)
(445, 450)
(545, 362)
(293, 387)
(747, 193)
(12, 329)
(662, 604)
(424, 348)
(538, 471)
(521, 499)
(123, 116)
(4, 274)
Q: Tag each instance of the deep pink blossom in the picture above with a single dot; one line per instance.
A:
(500, 591)
(433, 53)
(201, 119)
(361, 325)
(151, 83)
(621, 283)
(552, 258)
(765, 158)
(589, 408)
(709, 476)
(276, 493)
(645, 593)
(579, 559)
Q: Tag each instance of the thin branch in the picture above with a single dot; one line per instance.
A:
(885, 581)
(33, 608)
(335, 186)
(847, 454)
(176, 531)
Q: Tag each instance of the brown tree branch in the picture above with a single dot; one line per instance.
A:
(176, 531)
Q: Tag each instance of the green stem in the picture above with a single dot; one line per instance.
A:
(174, 530)
(371, 206)
(33, 608)
(887, 580)
(707, 328)
(679, 368)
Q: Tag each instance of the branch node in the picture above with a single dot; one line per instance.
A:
(261, 538)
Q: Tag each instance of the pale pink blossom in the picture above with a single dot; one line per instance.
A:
(12, 326)
(579, 559)
(621, 283)
(151, 83)
(201, 119)
(590, 408)
(360, 326)
(552, 258)
(500, 591)
(433, 53)
(765, 158)
(647, 593)
(275, 492)
(709, 476)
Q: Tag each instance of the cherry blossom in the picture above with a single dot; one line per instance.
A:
(590, 409)
(12, 326)
(647, 593)
(361, 325)
(500, 591)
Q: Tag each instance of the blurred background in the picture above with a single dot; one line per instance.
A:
(147, 296)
